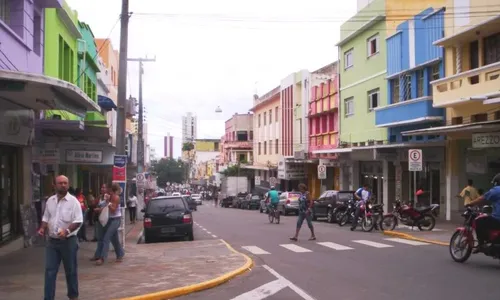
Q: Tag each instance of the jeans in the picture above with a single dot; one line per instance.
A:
(304, 216)
(483, 227)
(110, 234)
(55, 251)
(132, 213)
(98, 232)
(356, 218)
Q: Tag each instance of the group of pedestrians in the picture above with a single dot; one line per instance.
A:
(63, 221)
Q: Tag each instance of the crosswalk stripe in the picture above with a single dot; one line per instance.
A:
(295, 248)
(255, 250)
(373, 244)
(408, 242)
(334, 246)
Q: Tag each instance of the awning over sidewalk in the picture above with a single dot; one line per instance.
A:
(471, 127)
(76, 129)
(40, 92)
(257, 167)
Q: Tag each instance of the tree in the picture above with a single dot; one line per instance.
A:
(236, 170)
(169, 170)
(187, 146)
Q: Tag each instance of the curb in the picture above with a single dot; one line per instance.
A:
(181, 291)
(414, 238)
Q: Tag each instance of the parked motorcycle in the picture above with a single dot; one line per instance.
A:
(340, 210)
(463, 240)
(374, 216)
(349, 215)
(407, 214)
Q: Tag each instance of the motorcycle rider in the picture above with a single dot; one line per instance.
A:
(492, 222)
(362, 195)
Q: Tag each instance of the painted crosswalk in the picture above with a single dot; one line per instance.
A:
(347, 246)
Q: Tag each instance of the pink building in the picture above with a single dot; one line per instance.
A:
(324, 118)
(237, 142)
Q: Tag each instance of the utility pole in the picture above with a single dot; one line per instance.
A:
(140, 137)
(122, 80)
(122, 95)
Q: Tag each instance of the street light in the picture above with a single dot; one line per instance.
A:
(218, 109)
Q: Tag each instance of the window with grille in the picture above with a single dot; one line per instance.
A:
(435, 72)
(349, 106)
(407, 87)
(373, 97)
(420, 83)
(5, 11)
(395, 90)
(492, 49)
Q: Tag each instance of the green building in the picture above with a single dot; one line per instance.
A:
(363, 88)
(362, 76)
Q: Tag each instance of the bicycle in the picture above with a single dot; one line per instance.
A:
(274, 214)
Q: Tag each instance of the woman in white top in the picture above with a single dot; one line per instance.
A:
(132, 208)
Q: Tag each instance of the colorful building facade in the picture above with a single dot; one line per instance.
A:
(469, 93)
(266, 142)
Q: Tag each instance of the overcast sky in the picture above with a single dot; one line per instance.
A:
(216, 52)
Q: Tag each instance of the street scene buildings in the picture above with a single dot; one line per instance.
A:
(404, 117)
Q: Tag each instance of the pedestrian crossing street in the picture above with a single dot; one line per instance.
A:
(355, 244)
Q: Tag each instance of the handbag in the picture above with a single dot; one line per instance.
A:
(104, 216)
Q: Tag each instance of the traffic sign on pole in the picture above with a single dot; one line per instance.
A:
(415, 160)
(321, 172)
(273, 181)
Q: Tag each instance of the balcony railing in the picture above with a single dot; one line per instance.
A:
(413, 111)
(323, 141)
(461, 87)
(238, 144)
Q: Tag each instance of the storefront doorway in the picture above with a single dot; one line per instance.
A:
(8, 192)
(371, 173)
(429, 180)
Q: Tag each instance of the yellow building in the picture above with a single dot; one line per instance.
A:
(470, 92)
(206, 145)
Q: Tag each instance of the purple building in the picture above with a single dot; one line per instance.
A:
(21, 34)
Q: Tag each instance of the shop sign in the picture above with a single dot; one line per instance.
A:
(47, 156)
(83, 156)
(486, 140)
(282, 169)
(257, 180)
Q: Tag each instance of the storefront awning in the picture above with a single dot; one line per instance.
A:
(332, 151)
(257, 167)
(471, 127)
(106, 103)
(74, 129)
(20, 90)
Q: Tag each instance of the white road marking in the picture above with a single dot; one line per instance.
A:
(334, 246)
(373, 244)
(263, 291)
(214, 236)
(295, 248)
(209, 232)
(255, 250)
(292, 286)
(408, 242)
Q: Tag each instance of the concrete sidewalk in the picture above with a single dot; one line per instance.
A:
(146, 269)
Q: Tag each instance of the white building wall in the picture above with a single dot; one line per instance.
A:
(189, 127)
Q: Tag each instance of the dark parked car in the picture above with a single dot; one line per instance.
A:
(191, 202)
(167, 217)
(326, 205)
(251, 202)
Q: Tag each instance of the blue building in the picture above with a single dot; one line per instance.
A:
(412, 63)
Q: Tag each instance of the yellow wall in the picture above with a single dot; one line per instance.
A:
(477, 15)
(398, 11)
(259, 134)
(205, 146)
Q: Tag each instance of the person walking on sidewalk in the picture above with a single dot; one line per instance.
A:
(305, 211)
(111, 229)
(82, 233)
(132, 208)
(61, 221)
(469, 193)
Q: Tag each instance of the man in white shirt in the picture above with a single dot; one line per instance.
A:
(61, 220)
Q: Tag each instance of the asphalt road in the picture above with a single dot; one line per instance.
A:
(341, 264)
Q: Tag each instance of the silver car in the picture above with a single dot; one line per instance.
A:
(196, 198)
(289, 203)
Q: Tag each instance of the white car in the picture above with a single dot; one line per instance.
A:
(196, 198)
(176, 194)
